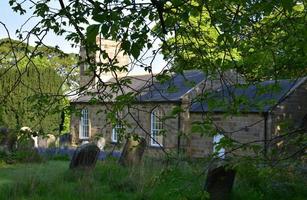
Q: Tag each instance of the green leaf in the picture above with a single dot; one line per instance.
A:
(135, 50)
(91, 33)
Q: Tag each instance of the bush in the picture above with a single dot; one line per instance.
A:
(265, 182)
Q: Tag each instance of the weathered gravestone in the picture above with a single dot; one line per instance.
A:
(7, 140)
(101, 142)
(133, 151)
(85, 156)
(219, 182)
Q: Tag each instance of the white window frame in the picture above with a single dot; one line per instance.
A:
(84, 125)
(156, 125)
(216, 140)
(114, 137)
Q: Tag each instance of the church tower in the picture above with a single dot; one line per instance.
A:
(112, 48)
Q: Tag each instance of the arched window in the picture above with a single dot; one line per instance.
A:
(84, 124)
(156, 128)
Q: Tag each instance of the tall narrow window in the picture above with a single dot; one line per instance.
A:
(84, 124)
(115, 131)
(221, 151)
(156, 128)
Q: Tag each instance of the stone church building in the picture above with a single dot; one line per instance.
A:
(263, 115)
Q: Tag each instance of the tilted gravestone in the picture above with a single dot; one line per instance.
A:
(133, 151)
(85, 156)
(219, 183)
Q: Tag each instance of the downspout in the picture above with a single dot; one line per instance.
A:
(265, 133)
(179, 135)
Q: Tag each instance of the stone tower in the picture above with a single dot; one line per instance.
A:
(112, 48)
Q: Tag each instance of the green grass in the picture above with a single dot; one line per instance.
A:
(53, 180)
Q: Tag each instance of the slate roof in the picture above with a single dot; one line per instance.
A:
(147, 89)
(261, 97)
(138, 83)
(174, 89)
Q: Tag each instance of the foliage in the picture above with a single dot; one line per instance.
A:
(267, 182)
(31, 91)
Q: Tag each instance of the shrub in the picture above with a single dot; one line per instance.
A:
(256, 181)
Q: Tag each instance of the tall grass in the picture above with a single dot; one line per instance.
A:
(52, 180)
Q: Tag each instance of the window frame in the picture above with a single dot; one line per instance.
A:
(114, 136)
(156, 125)
(84, 127)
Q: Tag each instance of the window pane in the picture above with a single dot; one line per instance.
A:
(84, 124)
(156, 127)
(115, 132)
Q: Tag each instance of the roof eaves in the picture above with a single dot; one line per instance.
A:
(298, 83)
(191, 89)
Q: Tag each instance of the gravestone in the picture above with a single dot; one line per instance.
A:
(50, 140)
(133, 151)
(101, 142)
(25, 140)
(65, 140)
(4, 134)
(85, 156)
(219, 183)
(7, 140)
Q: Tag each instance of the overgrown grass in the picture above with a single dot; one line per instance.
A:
(53, 180)
(152, 180)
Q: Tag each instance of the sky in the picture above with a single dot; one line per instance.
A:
(14, 21)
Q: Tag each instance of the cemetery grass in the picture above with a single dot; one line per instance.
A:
(153, 180)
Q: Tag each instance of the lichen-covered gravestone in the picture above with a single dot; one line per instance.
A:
(219, 183)
(85, 156)
(133, 151)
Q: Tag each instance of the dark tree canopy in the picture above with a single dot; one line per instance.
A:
(32, 89)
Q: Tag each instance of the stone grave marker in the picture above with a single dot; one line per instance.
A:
(4, 135)
(65, 140)
(133, 151)
(219, 183)
(101, 142)
(85, 156)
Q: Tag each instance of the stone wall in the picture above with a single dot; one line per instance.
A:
(244, 128)
(289, 113)
(139, 121)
